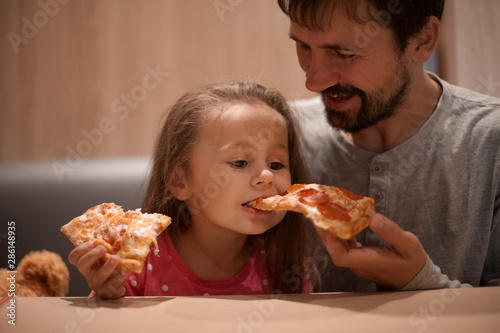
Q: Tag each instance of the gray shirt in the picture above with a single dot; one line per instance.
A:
(442, 184)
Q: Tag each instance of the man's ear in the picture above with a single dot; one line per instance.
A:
(422, 45)
(179, 187)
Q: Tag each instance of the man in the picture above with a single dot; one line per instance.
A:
(426, 151)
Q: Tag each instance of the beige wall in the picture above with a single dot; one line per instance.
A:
(470, 45)
(72, 72)
(78, 76)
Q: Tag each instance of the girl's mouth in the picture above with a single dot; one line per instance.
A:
(252, 210)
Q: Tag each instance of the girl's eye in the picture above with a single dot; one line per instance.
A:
(238, 164)
(276, 166)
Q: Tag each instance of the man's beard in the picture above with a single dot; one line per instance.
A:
(374, 107)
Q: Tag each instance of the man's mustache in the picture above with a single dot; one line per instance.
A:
(341, 90)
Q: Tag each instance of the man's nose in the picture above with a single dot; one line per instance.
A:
(321, 74)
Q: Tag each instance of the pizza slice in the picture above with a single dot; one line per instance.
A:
(332, 208)
(126, 234)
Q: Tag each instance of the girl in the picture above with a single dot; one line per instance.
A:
(221, 146)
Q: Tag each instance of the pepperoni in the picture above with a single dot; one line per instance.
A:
(351, 195)
(313, 197)
(321, 200)
(294, 188)
(333, 212)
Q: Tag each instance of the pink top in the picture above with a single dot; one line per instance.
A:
(168, 275)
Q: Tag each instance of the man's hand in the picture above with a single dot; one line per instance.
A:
(392, 267)
(102, 277)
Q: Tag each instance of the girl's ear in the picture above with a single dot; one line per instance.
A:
(179, 187)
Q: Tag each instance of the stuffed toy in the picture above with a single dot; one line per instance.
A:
(39, 273)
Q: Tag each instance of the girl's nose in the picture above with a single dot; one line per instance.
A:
(265, 177)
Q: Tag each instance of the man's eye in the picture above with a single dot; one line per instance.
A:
(304, 47)
(345, 55)
(238, 164)
(276, 166)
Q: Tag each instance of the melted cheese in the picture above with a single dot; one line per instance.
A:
(129, 234)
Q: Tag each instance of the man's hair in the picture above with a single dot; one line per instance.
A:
(405, 18)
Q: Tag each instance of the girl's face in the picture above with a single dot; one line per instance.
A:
(241, 155)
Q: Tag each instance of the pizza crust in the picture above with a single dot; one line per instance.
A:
(126, 234)
(331, 208)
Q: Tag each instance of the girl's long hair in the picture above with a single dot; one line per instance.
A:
(286, 243)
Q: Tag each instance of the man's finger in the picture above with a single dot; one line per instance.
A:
(336, 247)
(386, 229)
(399, 240)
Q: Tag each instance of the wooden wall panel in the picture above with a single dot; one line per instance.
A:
(67, 66)
(470, 45)
(75, 76)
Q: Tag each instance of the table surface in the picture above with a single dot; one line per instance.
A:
(475, 310)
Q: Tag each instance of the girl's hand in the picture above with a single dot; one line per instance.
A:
(102, 277)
